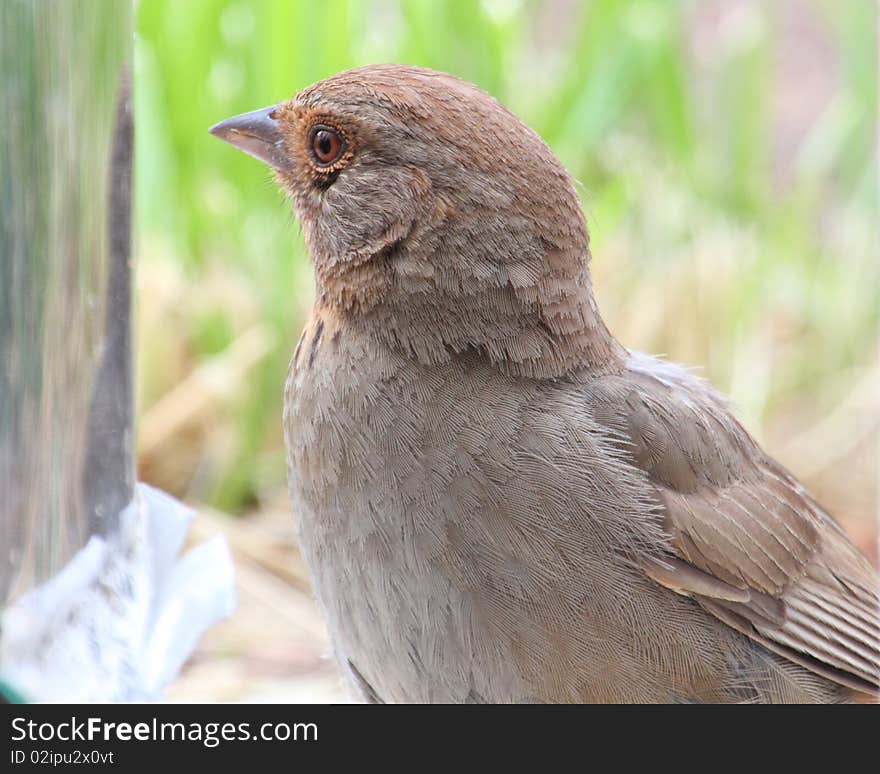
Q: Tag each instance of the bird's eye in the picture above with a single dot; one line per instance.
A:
(326, 145)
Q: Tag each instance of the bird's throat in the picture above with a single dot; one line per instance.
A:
(435, 318)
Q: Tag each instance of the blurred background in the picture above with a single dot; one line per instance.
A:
(727, 157)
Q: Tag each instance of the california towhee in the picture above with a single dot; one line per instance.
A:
(497, 501)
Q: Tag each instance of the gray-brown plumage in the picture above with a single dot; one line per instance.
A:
(497, 501)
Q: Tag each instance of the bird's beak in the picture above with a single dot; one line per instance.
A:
(256, 133)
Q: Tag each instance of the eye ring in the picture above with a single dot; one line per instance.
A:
(326, 145)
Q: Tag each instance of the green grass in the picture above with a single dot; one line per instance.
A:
(714, 241)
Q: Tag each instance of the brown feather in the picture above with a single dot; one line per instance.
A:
(809, 595)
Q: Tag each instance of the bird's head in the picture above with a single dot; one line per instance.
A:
(428, 205)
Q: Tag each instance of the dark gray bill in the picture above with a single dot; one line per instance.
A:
(257, 134)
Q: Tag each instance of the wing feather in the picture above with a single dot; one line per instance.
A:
(749, 544)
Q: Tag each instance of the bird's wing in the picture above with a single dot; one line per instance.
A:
(746, 540)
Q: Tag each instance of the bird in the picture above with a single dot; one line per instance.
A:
(499, 502)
